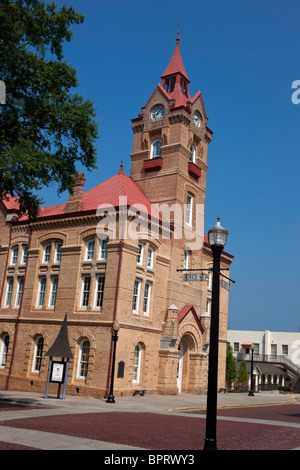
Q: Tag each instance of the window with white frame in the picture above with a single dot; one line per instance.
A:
(38, 354)
(46, 253)
(83, 359)
(19, 291)
(147, 295)
(136, 295)
(99, 292)
(4, 350)
(53, 291)
(189, 209)
(155, 149)
(9, 290)
(137, 364)
(14, 255)
(57, 256)
(85, 293)
(273, 349)
(89, 252)
(186, 259)
(103, 249)
(208, 305)
(285, 349)
(209, 284)
(150, 257)
(41, 291)
(139, 258)
(24, 254)
(193, 154)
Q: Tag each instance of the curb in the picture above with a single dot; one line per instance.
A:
(190, 408)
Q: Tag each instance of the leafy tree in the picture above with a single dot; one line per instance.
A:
(242, 373)
(231, 369)
(46, 128)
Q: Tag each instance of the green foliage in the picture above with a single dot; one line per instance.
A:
(242, 373)
(46, 128)
(231, 369)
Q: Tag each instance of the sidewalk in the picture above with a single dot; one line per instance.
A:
(149, 422)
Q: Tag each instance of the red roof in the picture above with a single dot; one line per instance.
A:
(175, 65)
(186, 309)
(11, 203)
(107, 193)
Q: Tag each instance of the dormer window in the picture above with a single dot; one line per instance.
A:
(155, 149)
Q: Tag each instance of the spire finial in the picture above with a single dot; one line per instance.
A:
(178, 38)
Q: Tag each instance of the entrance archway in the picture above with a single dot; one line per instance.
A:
(186, 346)
(179, 368)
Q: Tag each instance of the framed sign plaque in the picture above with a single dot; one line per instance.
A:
(57, 372)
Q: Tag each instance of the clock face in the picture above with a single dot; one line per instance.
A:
(197, 119)
(157, 113)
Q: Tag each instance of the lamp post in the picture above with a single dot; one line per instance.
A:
(251, 394)
(111, 398)
(217, 239)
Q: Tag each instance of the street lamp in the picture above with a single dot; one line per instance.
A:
(251, 394)
(217, 239)
(111, 398)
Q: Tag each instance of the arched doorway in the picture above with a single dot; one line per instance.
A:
(179, 368)
(184, 375)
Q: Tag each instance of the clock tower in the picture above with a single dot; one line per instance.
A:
(171, 137)
(169, 164)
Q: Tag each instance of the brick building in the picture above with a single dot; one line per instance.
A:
(112, 253)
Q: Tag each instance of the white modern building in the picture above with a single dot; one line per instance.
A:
(276, 356)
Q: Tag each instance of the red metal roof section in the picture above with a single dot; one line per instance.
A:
(118, 189)
(186, 309)
(11, 203)
(175, 65)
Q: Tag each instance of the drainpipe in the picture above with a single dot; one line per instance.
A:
(17, 319)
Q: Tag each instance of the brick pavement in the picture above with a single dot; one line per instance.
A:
(268, 427)
(167, 432)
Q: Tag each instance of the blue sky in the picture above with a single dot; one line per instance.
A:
(243, 55)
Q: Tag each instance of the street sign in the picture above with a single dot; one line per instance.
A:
(191, 277)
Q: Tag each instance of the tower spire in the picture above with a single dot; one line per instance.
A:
(176, 66)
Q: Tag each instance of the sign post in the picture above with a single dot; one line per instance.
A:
(58, 370)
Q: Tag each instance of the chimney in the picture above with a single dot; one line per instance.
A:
(75, 203)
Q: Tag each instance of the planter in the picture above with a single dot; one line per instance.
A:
(154, 164)
(194, 170)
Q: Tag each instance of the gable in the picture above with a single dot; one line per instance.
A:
(185, 311)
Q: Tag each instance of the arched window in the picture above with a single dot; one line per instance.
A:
(38, 354)
(155, 149)
(83, 359)
(137, 364)
(193, 154)
(189, 209)
(186, 259)
(4, 350)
